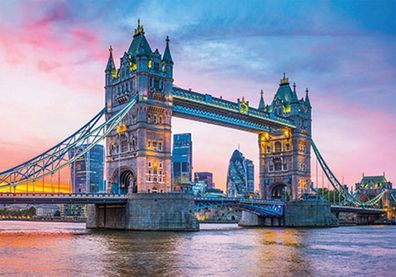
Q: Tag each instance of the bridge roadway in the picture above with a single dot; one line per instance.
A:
(360, 210)
(275, 207)
(98, 198)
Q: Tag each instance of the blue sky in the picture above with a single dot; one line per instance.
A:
(343, 51)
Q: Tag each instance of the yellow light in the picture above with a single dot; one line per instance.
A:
(287, 133)
(150, 64)
(163, 67)
(121, 128)
(287, 109)
(133, 66)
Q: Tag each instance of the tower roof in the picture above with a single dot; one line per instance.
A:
(139, 45)
(110, 62)
(307, 102)
(285, 93)
(167, 55)
(261, 106)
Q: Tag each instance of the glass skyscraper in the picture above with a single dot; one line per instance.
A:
(182, 159)
(207, 177)
(240, 177)
(87, 172)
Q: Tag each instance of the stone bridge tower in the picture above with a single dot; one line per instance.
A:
(285, 168)
(138, 151)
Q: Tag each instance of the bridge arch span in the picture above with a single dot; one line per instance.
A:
(278, 190)
(123, 181)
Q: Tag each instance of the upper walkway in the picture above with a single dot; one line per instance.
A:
(207, 108)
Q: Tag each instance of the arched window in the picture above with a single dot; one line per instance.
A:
(278, 146)
(277, 164)
(124, 144)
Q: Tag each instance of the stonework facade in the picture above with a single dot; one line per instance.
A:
(139, 149)
(285, 171)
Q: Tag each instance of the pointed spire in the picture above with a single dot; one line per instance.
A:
(167, 55)
(261, 106)
(284, 80)
(110, 62)
(307, 102)
(139, 30)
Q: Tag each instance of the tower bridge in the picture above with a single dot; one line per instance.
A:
(140, 101)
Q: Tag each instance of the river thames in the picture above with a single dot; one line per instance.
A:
(68, 249)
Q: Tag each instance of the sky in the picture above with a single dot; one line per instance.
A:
(53, 55)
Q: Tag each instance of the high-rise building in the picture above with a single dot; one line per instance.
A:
(240, 178)
(182, 158)
(249, 166)
(88, 170)
(207, 177)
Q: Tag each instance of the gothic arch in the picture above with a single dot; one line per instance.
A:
(123, 181)
(277, 190)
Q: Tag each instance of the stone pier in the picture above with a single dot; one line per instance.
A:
(309, 213)
(146, 212)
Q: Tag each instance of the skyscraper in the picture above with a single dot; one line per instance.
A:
(182, 158)
(207, 177)
(87, 171)
(240, 178)
(249, 166)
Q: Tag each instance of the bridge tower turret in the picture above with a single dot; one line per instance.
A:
(138, 151)
(109, 72)
(285, 154)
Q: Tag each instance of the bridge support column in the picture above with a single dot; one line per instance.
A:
(147, 212)
(253, 220)
(309, 213)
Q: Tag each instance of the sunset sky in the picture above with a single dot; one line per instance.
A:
(53, 55)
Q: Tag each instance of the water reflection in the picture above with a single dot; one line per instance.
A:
(56, 249)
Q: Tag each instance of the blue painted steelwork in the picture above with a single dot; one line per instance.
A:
(258, 207)
(59, 156)
(209, 108)
(215, 117)
(348, 197)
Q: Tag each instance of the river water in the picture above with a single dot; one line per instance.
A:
(68, 249)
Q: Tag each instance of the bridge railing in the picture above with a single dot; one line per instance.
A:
(209, 100)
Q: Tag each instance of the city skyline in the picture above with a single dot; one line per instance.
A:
(53, 63)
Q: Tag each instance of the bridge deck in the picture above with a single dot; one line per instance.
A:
(360, 210)
(61, 198)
